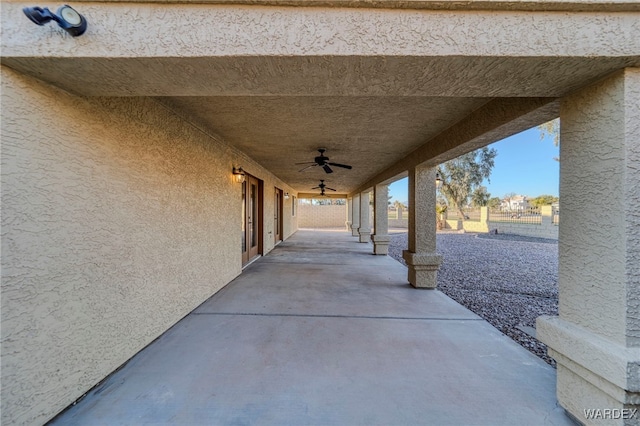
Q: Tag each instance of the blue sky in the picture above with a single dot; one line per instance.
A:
(524, 165)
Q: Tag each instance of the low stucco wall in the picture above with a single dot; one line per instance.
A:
(118, 219)
(474, 226)
(329, 216)
(545, 229)
(398, 223)
(528, 230)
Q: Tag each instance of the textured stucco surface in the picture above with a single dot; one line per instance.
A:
(355, 215)
(613, 367)
(595, 338)
(118, 218)
(381, 209)
(182, 30)
(422, 260)
(529, 5)
(541, 231)
(330, 216)
(599, 276)
(632, 203)
(364, 228)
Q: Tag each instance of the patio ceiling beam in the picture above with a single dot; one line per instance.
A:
(508, 5)
(496, 120)
(138, 49)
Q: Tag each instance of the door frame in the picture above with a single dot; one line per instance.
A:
(278, 208)
(252, 216)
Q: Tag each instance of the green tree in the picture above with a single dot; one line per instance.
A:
(397, 204)
(543, 200)
(494, 202)
(551, 129)
(480, 196)
(462, 175)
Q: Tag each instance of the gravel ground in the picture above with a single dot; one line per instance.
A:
(508, 280)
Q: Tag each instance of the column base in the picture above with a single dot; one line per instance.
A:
(598, 380)
(423, 268)
(354, 229)
(365, 235)
(348, 225)
(381, 244)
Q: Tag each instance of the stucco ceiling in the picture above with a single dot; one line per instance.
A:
(369, 133)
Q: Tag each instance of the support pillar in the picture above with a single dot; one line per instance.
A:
(364, 230)
(355, 215)
(381, 219)
(595, 340)
(349, 214)
(422, 260)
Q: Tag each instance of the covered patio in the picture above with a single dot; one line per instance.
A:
(146, 162)
(320, 331)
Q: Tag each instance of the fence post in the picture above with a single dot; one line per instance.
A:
(547, 215)
(484, 215)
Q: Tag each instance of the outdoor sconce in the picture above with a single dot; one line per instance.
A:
(238, 173)
(286, 195)
(66, 17)
(438, 180)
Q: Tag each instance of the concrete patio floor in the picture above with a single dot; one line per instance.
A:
(322, 332)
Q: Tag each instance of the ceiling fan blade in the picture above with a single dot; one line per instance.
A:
(307, 162)
(330, 189)
(305, 168)
(341, 165)
(327, 168)
(316, 187)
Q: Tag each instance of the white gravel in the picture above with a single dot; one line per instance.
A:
(508, 280)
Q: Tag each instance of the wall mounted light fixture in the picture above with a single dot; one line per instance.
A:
(239, 174)
(438, 180)
(286, 195)
(66, 17)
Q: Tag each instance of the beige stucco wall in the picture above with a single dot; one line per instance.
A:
(587, 289)
(118, 218)
(544, 230)
(596, 337)
(398, 223)
(331, 216)
(475, 226)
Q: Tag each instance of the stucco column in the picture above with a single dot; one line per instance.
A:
(349, 213)
(355, 215)
(421, 257)
(364, 230)
(381, 219)
(596, 338)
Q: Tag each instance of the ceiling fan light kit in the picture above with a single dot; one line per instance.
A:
(322, 187)
(323, 162)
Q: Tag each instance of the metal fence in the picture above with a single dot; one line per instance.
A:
(469, 214)
(529, 215)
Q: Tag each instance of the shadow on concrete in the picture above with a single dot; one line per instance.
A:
(321, 332)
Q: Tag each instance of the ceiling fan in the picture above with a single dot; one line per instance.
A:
(323, 162)
(322, 187)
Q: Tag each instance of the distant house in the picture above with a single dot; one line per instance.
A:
(517, 202)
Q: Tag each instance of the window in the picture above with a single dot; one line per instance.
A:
(294, 203)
